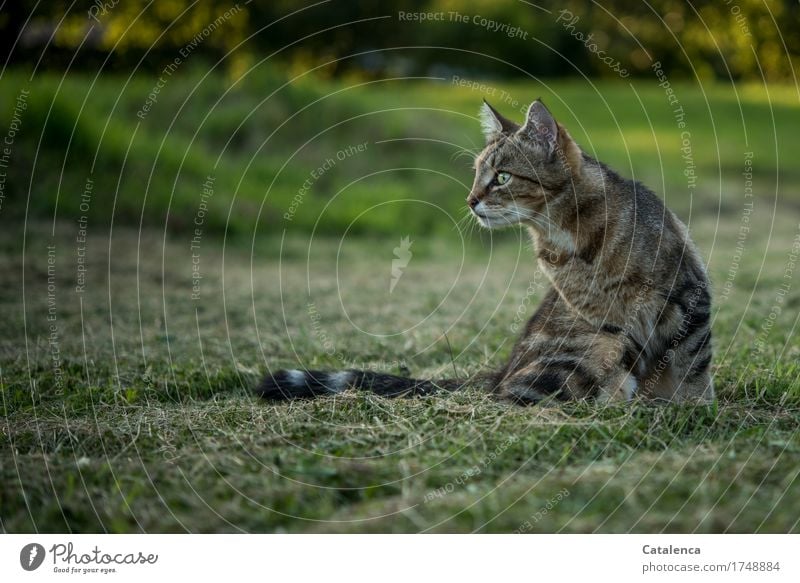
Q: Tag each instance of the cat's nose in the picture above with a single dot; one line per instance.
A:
(472, 201)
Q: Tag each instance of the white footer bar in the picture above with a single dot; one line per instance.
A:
(389, 558)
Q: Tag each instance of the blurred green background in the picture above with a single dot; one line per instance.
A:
(147, 100)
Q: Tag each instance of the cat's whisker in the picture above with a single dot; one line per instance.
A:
(466, 224)
(460, 225)
(464, 153)
(476, 149)
(538, 218)
(472, 223)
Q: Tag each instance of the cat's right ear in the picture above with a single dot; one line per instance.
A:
(493, 124)
(540, 125)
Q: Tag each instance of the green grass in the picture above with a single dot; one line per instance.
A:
(149, 424)
(262, 135)
(153, 427)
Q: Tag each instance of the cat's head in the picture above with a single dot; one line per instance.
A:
(523, 169)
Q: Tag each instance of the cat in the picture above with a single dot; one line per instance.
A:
(627, 313)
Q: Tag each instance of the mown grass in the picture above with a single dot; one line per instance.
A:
(152, 426)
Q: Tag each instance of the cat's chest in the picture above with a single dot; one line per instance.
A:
(599, 293)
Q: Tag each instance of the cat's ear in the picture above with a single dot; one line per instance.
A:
(540, 125)
(494, 124)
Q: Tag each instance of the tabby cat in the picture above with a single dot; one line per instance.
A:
(628, 310)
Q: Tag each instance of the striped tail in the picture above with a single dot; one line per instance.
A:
(307, 384)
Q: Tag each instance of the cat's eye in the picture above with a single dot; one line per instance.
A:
(502, 177)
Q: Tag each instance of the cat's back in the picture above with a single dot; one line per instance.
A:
(653, 231)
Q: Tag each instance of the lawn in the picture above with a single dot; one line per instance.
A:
(130, 342)
(147, 423)
(348, 147)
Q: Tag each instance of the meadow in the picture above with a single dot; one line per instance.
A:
(126, 377)
(265, 136)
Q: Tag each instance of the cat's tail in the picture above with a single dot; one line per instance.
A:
(306, 384)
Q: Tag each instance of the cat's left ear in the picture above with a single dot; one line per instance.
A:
(540, 125)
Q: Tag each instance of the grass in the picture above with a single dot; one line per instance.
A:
(152, 427)
(261, 136)
(138, 415)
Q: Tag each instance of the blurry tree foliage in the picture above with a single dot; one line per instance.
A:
(739, 39)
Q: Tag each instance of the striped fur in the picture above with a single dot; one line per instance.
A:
(628, 310)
